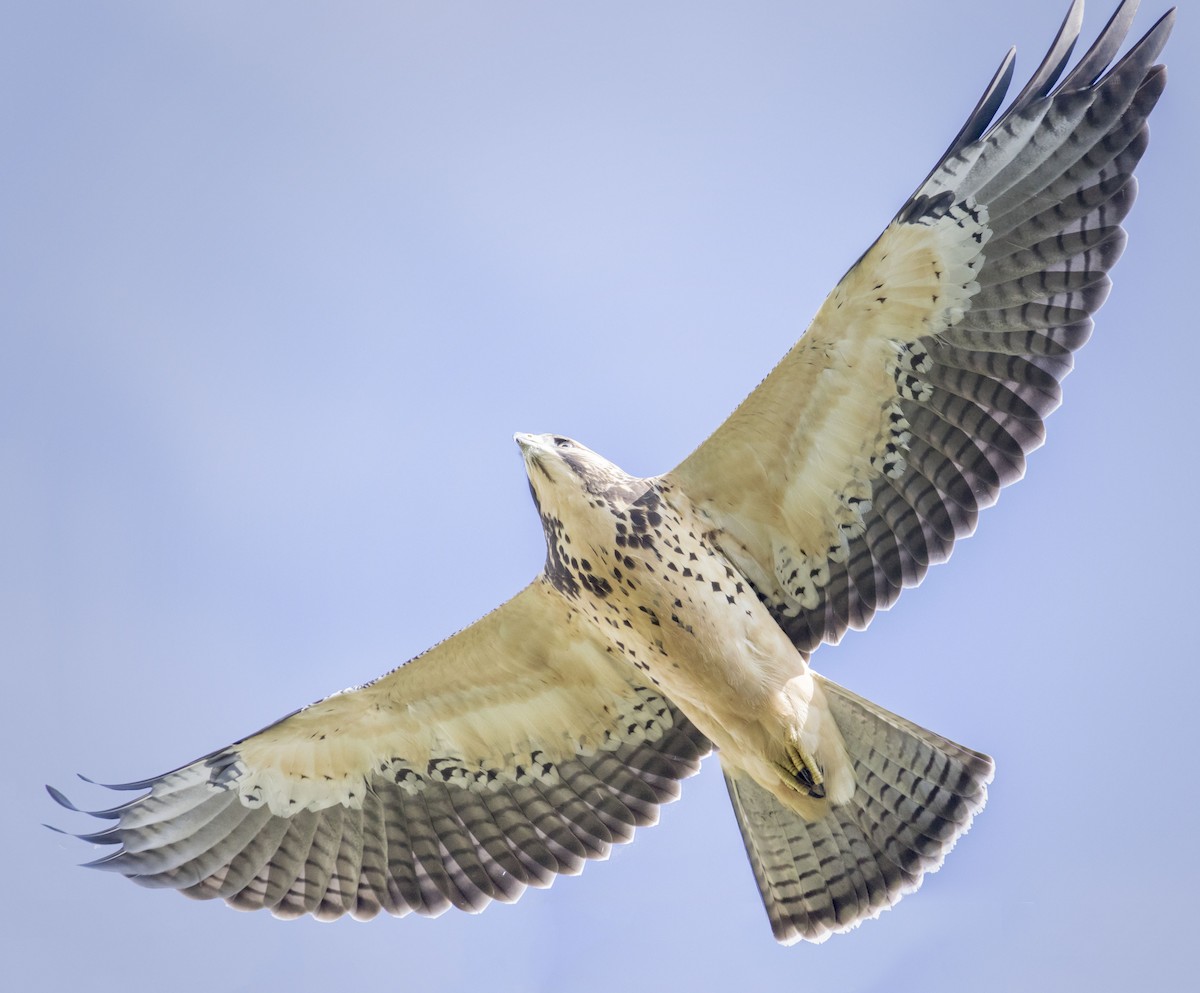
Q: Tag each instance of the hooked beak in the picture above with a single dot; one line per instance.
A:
(533, 451)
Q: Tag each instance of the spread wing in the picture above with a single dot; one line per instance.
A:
(923, 381)
(507, 754)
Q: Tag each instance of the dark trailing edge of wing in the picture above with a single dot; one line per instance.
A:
(1055, 173)
(452, 842)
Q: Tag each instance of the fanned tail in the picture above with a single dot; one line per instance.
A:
(915, 795)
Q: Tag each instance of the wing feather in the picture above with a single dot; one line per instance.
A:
(340, 894)
(511, 753)
(376, 889)
(923, 382)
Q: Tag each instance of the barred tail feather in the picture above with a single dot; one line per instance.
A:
(915, 795)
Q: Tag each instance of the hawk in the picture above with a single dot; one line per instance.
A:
(677, 614)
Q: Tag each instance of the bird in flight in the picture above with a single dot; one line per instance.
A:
(677, 614)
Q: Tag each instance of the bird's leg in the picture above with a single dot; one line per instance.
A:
(801, 768)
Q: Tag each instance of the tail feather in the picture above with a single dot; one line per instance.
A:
(915, 795)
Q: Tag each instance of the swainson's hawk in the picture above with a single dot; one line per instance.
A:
(678, 613)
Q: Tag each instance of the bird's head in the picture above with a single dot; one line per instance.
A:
(560, 468)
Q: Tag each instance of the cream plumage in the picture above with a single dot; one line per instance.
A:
(678, 612)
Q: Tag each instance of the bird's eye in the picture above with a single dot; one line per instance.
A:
(562, 442)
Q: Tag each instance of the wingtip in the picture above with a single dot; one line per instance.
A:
(104, 861)
(1167, 20)
(1072, 22)
(61, 799)
(1104, 49)
(1050, 69)
(111, 813)
(138, 785)
(1004, 73)
(980, 118)
(1153, 41)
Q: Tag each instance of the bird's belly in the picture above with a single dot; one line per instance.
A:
(679, 612)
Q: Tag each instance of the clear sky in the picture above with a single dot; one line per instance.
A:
(280, 280)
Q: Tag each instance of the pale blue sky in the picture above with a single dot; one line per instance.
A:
(280, 280)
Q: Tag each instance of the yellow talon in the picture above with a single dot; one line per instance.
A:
(804, 770)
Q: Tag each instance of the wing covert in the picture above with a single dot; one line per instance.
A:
(924, 380)
(508, 754)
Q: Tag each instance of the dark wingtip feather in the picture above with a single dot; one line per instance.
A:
(60, 798)
(105, 861)
(112, 813)
(981, 117)
(108, 836)
(1149, 46)
(987, 105)
(1096, 59)
(1046, 75)
(142, 784)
